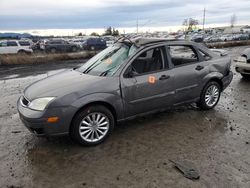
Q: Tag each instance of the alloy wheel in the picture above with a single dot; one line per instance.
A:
(212, 95)
(94, 127)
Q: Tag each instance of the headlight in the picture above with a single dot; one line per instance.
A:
(40, 103)
(240, 59)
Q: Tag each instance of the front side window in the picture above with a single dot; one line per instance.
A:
(182, 55)
(24, 43)
(107, 62)
(148, 61)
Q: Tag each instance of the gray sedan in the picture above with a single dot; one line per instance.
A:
(129, 79)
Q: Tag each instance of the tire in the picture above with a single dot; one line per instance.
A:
(21, 52)
(214, 89)
(86, 133)
(53, 50)
(92, 48)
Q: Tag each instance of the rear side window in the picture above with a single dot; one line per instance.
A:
(11, 43)
(182, 55)
(24, 43)
(149, 61)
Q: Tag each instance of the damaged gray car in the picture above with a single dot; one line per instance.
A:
(129, 79)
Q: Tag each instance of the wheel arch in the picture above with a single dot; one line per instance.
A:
(214, 76)
(218, 80)
(110, 107)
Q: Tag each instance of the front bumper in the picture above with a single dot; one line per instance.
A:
(227, 80)
(36, 121)
(243, 68)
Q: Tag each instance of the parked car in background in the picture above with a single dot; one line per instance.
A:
(15, 46)
(197, 38)
(241, 37)
(242, 65)
(213, 38)
(110, 40)
(94, 44)
(129, 79)
(58, 45)
(80, 42)
(227, 38)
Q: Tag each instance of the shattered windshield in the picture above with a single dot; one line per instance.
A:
(107, 62)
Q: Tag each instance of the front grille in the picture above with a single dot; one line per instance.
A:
(25, 101)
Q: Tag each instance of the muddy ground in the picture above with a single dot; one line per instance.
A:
(137, 154)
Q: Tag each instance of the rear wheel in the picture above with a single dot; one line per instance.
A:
(92, 48)
(210, 95)
(92, 125)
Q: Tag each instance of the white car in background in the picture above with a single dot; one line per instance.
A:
(110, 40)
(242, 63)
(15, 46)
(227, 38)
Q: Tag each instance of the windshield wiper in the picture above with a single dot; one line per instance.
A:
(104, 73)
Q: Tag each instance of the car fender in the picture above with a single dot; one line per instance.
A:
(112, 100)
(211, 76)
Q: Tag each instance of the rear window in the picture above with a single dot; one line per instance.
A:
(24, 43)
(204, 55)
(11, 43)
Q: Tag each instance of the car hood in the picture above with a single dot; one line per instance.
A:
(64, 83)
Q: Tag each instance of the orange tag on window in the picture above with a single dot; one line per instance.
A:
(151, 79)
(108, 61)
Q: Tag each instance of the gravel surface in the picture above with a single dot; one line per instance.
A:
(137, 154)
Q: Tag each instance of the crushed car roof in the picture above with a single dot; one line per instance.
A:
(142, 41)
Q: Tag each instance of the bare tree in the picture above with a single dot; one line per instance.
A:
(190, 23)
(233, 20)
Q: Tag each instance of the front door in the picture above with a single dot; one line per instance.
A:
(151, 86)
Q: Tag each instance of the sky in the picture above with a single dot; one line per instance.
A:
(86, 15)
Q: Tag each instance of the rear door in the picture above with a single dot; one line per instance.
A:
(151, 86)
(12, 47)
(189, 71)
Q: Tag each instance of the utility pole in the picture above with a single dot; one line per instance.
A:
(204, 18)
(137, 26)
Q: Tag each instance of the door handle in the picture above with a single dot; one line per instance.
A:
(164, 77)
(199, 67)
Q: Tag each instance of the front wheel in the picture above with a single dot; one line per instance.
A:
(210, 96)
(92, 125)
